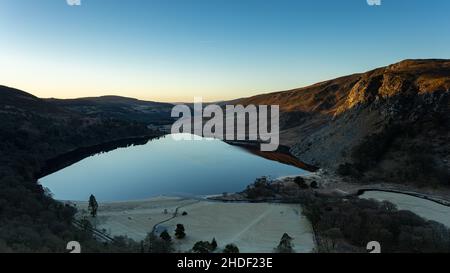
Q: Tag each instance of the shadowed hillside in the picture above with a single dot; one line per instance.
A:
(390, 122)
(121, 108)
(33, 131)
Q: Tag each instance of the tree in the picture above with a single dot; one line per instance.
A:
(179, 231)
(202, 247)
(153, 244)
(93, 205)
(285, 245)
(165, 236)
(214, 244)
(300, 182)
(231, 248)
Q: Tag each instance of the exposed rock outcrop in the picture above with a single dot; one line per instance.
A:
(325, 123)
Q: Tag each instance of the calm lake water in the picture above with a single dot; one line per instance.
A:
(163, 167)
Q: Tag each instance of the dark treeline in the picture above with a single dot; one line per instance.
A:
(347, 225)
(62, 161)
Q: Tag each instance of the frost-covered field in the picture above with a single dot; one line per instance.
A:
(253, 227)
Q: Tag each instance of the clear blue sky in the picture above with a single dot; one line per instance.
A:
(172, 50)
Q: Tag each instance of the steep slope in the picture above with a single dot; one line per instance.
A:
(375, 121)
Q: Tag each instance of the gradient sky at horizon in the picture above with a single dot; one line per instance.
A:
(173, 50)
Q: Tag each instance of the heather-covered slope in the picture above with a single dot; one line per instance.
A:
(389, 122)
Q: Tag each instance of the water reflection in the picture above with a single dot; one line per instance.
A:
(163, 167)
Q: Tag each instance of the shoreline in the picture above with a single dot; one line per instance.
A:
(69, 158)
(336, 186)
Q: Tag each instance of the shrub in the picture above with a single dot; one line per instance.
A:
(179, 232)
(300, 182)
(231, 248)
(165, 236)
(205, 246)
(285, 245)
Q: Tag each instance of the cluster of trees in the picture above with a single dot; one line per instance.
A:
(163, 243)
(415, 159)
(210, 247)
(231, 248)
(205, 246)
(349, 224)
(266, 189)
(261, 188)
(155, 244)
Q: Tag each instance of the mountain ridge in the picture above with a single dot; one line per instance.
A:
(327, 124)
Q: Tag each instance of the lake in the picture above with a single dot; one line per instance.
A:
(163, 166)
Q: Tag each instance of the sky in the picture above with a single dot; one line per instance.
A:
(173, 50)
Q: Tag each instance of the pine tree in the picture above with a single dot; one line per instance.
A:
(214, 244)
(285, 245)
(93, 205)
(165, 236)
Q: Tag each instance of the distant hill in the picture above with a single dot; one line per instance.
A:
(33, 130)
(391, 122)
(14, 99)
(122, 108)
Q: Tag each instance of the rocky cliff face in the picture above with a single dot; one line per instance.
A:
(329, 123)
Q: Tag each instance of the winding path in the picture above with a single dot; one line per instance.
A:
(175, 214)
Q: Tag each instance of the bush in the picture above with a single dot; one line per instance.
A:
(179, 232)
(261, 188)
(285, 245)
(231, 248)
(205, 246)
(153, 244)
(300, 182)
(165, 236)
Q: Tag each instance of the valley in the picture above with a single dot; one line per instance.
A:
(386, 128)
